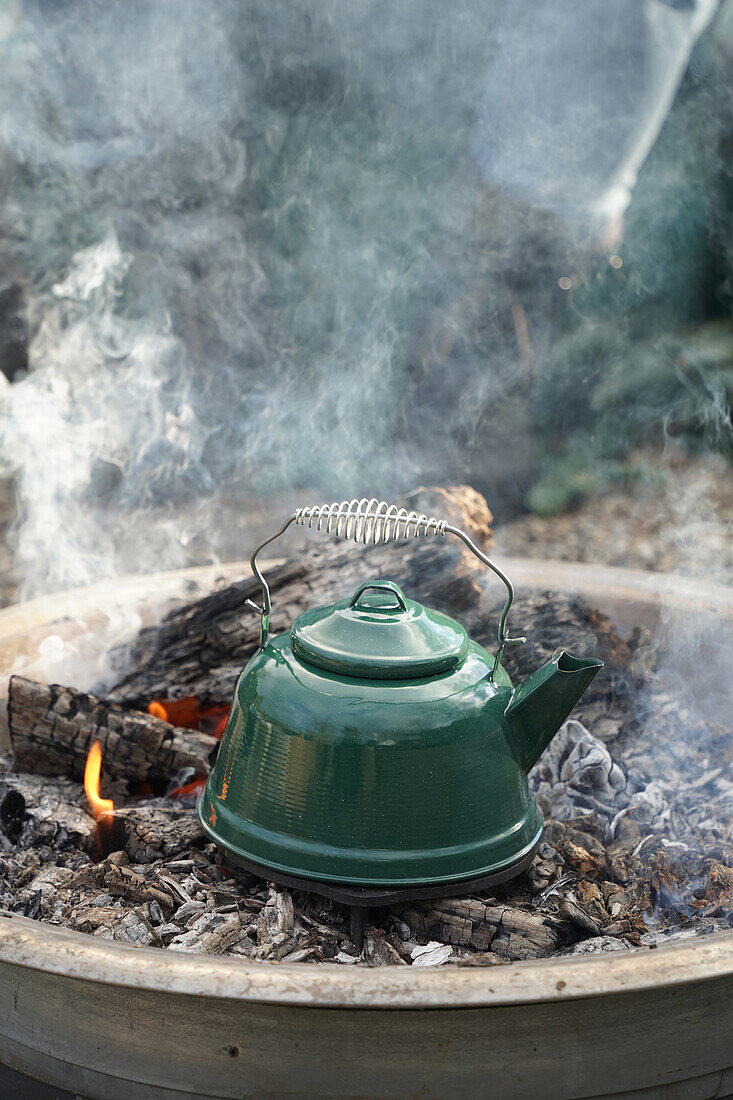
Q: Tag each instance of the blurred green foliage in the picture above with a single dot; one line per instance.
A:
(642, 354)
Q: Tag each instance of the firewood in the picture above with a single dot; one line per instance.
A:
(201, 648)
(54, 811)
(160, 831)
(211, 934)
(53, 727)
(378, 951)
(510, 932)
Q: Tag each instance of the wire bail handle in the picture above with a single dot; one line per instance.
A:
(371, 521)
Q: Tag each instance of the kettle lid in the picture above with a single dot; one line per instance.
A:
(378, 634)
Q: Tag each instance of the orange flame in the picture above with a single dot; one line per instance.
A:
(92, 772)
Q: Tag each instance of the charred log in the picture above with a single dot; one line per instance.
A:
(52, 729)
(553, 621)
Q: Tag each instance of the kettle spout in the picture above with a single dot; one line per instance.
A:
(542, 702)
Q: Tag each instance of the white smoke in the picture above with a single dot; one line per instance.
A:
(266, 248)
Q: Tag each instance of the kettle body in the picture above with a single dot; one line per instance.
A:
(375, 744)
(346, 779)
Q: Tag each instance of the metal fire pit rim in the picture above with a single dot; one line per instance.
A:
(28, 944)
(34, 946)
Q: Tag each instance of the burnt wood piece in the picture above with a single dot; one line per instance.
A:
(510, 932)
(555, 620)
(201, 648)
(146, 831)
(361, 899)
(52, 729)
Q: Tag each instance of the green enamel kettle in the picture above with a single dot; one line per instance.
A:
(375, 744)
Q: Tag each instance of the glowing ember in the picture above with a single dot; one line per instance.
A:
(92, 772)
(187, 714)
(179, 712)
(221, 725)
(188, 790)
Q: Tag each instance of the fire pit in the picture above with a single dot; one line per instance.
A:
(148, 1022)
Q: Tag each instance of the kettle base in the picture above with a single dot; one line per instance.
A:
(361, 899)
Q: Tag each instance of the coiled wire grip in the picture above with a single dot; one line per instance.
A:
(372, 521)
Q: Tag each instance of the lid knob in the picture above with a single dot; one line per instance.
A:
(380, 586)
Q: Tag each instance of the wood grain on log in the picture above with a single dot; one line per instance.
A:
(52, 729)
(509, 931)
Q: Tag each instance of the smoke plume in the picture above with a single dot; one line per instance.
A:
(268, 247)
